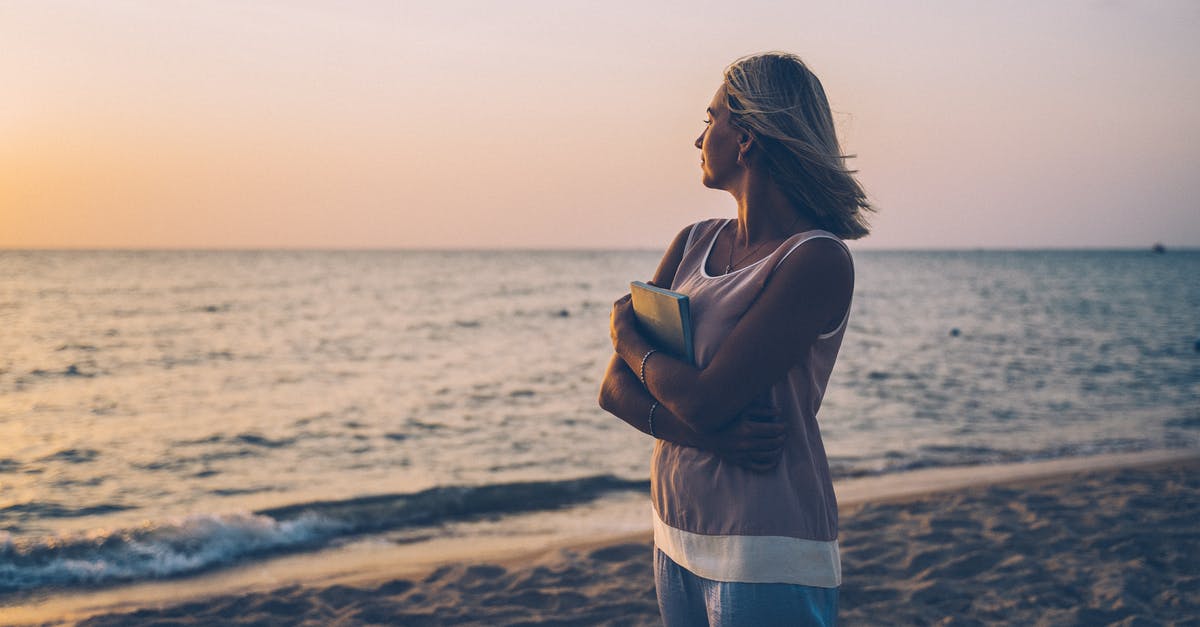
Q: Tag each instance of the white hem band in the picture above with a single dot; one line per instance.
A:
(752, 559)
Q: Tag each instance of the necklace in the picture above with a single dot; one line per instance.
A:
(730, 263)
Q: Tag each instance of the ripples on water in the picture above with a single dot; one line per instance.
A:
(184, 387)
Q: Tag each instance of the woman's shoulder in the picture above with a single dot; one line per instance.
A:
(816, 244)
(680, 252)
(815, 258)
(815, 275)
(711, 223)
(702, 230)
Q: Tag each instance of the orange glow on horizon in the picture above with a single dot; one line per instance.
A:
(471, 126)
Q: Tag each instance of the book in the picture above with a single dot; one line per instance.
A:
(665, 318)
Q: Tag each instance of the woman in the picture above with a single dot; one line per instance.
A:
(745, 525)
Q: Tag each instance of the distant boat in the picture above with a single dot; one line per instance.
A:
(1158, 248)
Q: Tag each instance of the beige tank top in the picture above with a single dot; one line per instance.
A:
(718, 519)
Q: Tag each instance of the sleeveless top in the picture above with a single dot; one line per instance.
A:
(715, 518)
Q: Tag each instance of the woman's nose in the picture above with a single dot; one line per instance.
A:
(699, 140)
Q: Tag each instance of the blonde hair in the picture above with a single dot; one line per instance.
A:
(780, 102)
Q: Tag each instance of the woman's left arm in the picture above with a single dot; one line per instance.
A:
(807, 294)
(754, 441)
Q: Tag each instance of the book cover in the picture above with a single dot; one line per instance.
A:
(665, 318)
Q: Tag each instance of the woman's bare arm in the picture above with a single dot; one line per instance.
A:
(754, 442)
(807, 294)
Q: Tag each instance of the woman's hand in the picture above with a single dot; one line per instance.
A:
(623, 323)
(754, 441)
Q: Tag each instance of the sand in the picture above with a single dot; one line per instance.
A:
(1116, 544)
(1113, 547)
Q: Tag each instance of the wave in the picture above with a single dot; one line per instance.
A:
(205, 541)
(170, 548)
(73, 370)
(40, 510)
(72, 455)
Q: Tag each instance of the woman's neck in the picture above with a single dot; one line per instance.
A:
(765, 213)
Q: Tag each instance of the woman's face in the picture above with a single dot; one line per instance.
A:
(718, 144)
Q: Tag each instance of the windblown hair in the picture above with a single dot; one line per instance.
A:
(779, 101)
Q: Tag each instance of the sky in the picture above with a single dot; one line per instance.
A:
(569, 123)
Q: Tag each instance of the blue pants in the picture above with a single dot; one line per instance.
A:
(687, 600)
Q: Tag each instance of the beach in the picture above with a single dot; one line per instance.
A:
(281, 437)
(1086, 541)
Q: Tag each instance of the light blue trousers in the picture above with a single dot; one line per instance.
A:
(687, 600)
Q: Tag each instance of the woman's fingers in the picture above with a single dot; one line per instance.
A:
(759, 436)
(621, 309)
(755, 441)
(760, 445)
(760, 413)
(758, 463)
(621, 304)
(754, 429)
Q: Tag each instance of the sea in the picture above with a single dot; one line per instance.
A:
(167, 413)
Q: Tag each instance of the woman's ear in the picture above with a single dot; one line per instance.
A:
(745, 144)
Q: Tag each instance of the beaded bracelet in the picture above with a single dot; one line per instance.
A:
(653, 407)
(642, 370)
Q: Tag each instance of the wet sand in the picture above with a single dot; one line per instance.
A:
(1084, 543)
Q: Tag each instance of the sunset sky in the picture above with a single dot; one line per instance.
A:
(564, 124)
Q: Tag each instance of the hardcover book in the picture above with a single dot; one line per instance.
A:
(665, 318)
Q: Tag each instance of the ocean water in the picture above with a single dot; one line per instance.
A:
(164, 413)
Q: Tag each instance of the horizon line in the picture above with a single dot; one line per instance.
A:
(563, 249)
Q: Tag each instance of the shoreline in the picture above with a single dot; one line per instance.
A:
(369, 573)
